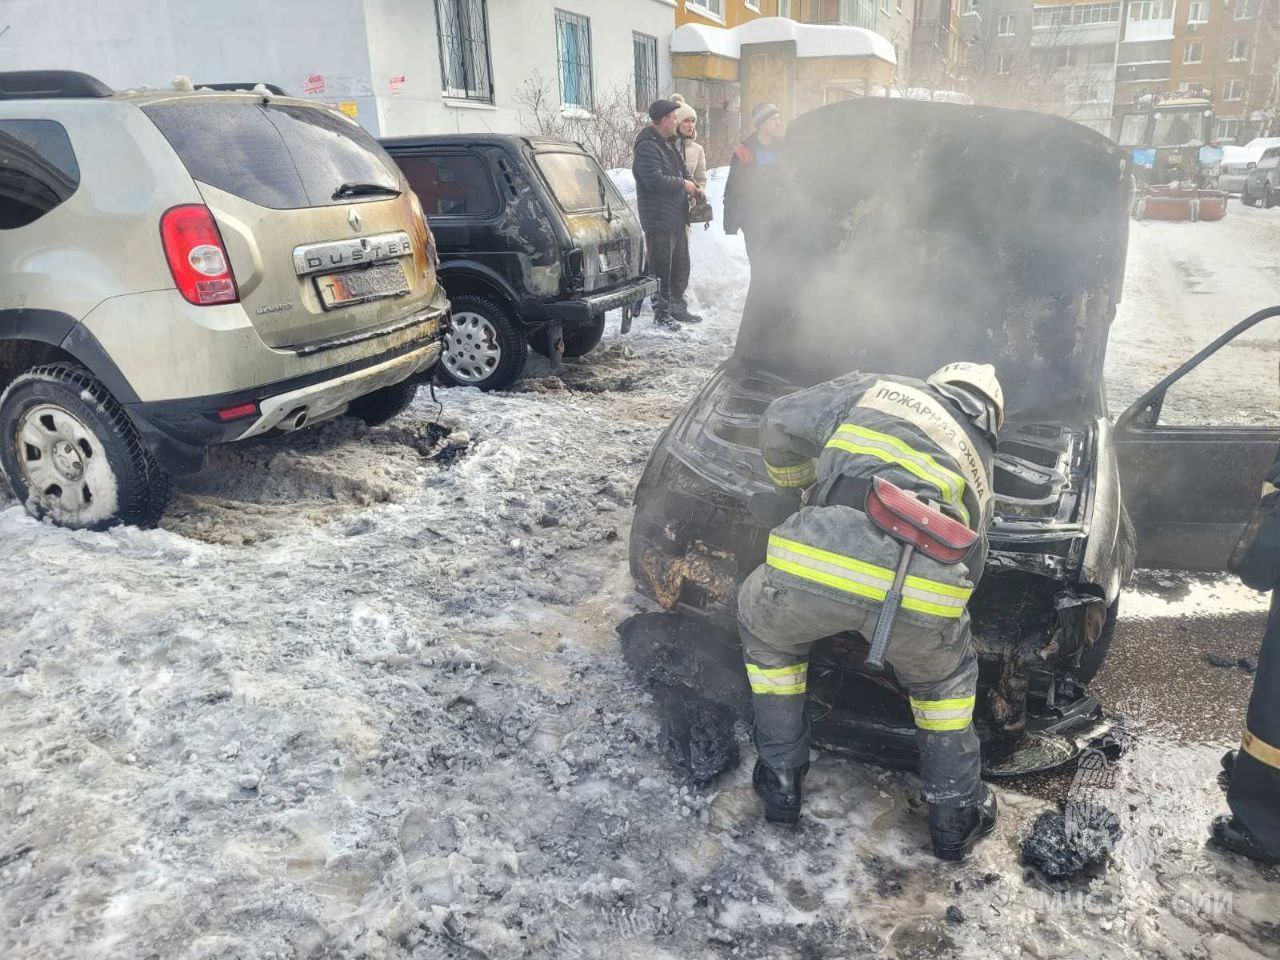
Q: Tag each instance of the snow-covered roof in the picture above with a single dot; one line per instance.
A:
(811, 39)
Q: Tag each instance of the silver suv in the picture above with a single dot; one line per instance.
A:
(185, 268)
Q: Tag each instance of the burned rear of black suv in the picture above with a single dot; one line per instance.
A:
(1014, 256)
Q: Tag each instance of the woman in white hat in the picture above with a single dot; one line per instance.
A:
(695, 164)
(695, 158)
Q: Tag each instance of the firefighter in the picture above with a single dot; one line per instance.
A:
(829, 567)
(1253, 791)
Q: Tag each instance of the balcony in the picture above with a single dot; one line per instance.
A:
(971, 26)
(1075, 35)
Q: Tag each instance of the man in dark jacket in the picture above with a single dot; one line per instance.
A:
(663, 190)
(1253, 828)
(750, 190)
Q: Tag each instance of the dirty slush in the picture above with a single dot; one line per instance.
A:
(396, 722)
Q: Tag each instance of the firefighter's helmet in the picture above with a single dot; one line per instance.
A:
(974, 378)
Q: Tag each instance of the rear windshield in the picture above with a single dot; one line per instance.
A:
(282, 156)
(576, 180)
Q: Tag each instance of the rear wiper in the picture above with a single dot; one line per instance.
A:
(358, 189)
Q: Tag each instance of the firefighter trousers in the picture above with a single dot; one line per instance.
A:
(779, 623)
(1254, 792)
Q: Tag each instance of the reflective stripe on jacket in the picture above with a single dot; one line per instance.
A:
(866, 580)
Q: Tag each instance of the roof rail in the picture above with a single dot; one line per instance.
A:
(50, 85)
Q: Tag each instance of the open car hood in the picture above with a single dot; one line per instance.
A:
(910, 234)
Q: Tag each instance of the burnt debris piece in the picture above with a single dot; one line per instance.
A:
(1062, 845)
(700, 686)
(699, 733)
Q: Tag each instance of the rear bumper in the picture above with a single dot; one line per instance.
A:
(179, 431)
(584, 309)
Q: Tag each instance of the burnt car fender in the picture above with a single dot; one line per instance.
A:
(1110, 552)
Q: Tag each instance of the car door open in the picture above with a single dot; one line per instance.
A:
(1190, 487)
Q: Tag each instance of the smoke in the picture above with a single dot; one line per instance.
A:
(906, 235)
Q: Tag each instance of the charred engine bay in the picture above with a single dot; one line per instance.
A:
(1040, 633)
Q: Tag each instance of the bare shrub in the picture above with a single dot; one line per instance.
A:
(608, 130)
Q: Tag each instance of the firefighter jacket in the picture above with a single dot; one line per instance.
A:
(900, 428)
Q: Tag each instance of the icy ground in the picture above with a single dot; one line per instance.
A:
(356, 702)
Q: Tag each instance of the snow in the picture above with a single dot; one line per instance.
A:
(355, 701)
(811, 40)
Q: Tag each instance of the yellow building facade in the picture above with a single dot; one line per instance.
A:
(727, 13)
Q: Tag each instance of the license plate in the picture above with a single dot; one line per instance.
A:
(613, 259)
(357, 286)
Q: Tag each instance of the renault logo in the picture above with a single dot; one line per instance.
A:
(353, 218)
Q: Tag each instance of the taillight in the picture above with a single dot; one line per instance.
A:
(197, 258)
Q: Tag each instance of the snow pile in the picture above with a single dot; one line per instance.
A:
(721, 271)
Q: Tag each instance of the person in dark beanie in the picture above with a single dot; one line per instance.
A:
(663, 190)
(751, 187)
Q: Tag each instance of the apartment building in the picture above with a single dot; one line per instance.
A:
(939, 50)
(396, 66)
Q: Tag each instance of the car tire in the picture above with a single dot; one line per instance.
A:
(382, 405)
(485, 345)
(1093, 658)
(1247, 200)
(66, 436)
(1268, 201)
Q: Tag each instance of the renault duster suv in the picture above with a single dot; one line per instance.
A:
(185, 268)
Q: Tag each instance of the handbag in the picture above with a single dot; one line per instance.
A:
(700, 212)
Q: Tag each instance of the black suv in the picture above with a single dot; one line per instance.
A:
(535, 246)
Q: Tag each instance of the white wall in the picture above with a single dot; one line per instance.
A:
(129, 43)
(522, 42)
(355, 47)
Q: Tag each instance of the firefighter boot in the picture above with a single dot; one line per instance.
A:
(955, 830)
(780, 791)
(1228, 833)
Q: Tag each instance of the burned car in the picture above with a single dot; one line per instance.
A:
(1010, 250)
(536, 245)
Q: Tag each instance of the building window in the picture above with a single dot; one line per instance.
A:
(753, 5)
(1005, 25)
(970, 6)
(1004, 64)
(1238, 51)
(1228, 128)
(1198, 11)
(1150, 10)
(1244, 9)
(646, 54)
(1233, 90)
(462, 27)
(714, 8)
(784, 8)
(1193, 52)
(573, 50)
